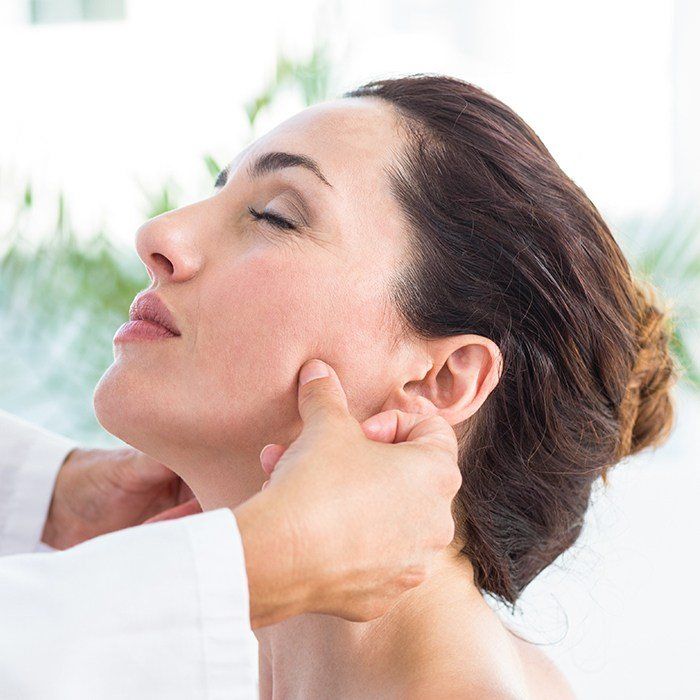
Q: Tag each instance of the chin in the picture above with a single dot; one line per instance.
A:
(125, 406)
(116, 407)
(161, 418)
(198, 442)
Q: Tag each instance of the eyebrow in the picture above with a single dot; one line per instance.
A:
(276, 160)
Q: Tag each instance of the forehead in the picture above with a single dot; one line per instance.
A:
(352, 139)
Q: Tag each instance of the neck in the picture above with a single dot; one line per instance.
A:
(416, 633)
(218, 478)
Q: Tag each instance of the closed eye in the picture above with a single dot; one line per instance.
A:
(273, 219)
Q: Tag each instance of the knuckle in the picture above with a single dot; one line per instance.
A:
(454, 480)
(411, 577)
(450, 478)
(448, 443)
(440, 423)
(368, 611)
(372, 612)
(441, 426)
(447, 531)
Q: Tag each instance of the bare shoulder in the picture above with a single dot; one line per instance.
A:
(444, 689)
(492, 672)
(508, 668)
(544, 679)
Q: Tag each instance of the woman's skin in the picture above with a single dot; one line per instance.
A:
(252, 303)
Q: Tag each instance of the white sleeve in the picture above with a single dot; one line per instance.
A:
(156, 611)
(29, 462)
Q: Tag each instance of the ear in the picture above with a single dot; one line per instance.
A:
(463, 371)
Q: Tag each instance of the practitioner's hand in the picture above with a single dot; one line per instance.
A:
(99, 491)
(347, 523)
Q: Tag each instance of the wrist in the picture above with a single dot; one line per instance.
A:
(61, 529)
(279, 582)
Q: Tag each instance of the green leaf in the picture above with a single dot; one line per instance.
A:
(211, 165)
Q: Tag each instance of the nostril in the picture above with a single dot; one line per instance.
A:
(160, 262)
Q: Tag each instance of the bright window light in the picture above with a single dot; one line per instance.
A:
(48, 11)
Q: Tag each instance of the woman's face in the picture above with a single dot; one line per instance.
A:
(253, 302)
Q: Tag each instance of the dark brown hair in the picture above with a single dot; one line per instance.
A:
(508, 247)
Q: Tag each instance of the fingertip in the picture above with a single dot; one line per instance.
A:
(380, 427)
(313, 369)
(190, 507)
(270, 455)
(436, 430)
(320, 399)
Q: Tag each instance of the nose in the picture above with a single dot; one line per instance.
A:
(168, 247)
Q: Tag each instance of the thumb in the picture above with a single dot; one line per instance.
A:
(398, 426)
(321, 397)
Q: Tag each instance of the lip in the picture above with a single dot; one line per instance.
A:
(149, 319)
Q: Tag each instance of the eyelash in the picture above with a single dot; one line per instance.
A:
(273, 219)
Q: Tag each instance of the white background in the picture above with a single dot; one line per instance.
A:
(94, 109)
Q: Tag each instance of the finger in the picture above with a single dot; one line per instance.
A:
(265, 485)
(270, 455)
(189, 508)
(381, 427)
(399, 426)
(147, 471)
(436, 431)
(392, 425)
(321, 396)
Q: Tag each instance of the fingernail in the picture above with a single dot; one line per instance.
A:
(263, 451)
(314, 369)
(265, 460)
(265, 484)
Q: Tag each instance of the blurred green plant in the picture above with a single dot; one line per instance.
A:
(665, 250)
(213, 168)
(310, 78)
(61, 299)
(165, 198)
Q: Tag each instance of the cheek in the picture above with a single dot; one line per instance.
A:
(263, 318)
(259, 315)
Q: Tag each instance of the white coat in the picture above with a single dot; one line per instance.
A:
(158, 611)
